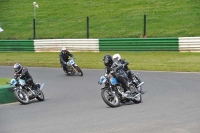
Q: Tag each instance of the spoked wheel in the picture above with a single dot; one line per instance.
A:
(138, 81)
(80, 73)
(21, 96)
(140, 89)
(138, 99)
(40, 96)
(109, 99)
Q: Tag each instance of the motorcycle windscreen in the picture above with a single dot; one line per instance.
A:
(113, 81)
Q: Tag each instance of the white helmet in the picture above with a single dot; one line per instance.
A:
(116, 57)
(64, 48)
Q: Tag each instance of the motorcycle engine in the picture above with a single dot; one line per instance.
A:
(121, 89)
(132, 88)
(31, 95)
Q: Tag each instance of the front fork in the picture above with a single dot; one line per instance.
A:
(74, 68)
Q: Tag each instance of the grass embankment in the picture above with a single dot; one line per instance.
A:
(108, 19)
(4, 80)
(151, 61)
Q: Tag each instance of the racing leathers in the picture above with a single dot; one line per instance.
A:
(64, 58)
(115, 67)
(25, 75)
(127, 70)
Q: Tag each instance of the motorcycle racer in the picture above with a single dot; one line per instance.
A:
(19, 70)
(64, 58)
(108, 62)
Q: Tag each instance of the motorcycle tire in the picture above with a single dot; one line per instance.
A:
(138, 99)
(80, 73)
(140, 89)
(21, 96)
(138, 82)
(110, 100)
(40, 96)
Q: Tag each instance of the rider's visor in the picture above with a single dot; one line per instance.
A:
(115, 59)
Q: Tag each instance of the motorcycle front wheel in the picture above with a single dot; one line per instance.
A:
(109, 99)
(21, 96)
(80, 73)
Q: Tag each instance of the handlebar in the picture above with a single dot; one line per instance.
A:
(17, 76)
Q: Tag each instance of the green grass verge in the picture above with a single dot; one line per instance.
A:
(4, 80)
(108, 19)
(150, 61)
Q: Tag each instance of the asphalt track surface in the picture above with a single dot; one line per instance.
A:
(171, 104)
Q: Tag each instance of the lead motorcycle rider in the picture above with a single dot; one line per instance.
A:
(64, 58)
(19, 70)
(108, 62)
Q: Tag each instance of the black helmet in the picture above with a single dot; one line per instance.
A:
(17, 67)
(107, 59)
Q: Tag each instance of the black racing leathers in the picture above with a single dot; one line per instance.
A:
(64, 57)
(126, 69)
(25, 75)
(117, 75)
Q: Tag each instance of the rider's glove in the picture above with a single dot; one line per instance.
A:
(65, 63)
(106, 75)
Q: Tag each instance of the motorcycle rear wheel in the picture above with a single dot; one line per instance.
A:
(21, 96)
(138, 99)
(110, 100)
(40, 96)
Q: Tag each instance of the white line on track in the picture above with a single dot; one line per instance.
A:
(8, 103)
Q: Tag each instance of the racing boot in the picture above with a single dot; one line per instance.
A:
(36, 87)
(126, 91)
(64, 69)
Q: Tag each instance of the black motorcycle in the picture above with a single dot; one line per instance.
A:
(112, 92)
(137, 80)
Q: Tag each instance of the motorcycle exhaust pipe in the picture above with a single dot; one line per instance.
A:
(140, 84)
(74, 69)
(134, 96)
(41, 86)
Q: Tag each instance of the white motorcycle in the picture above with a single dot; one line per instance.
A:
(72, 68)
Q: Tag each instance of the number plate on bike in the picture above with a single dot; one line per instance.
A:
(71, 62)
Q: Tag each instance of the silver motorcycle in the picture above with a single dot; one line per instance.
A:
(24, 92)
(72, 68)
